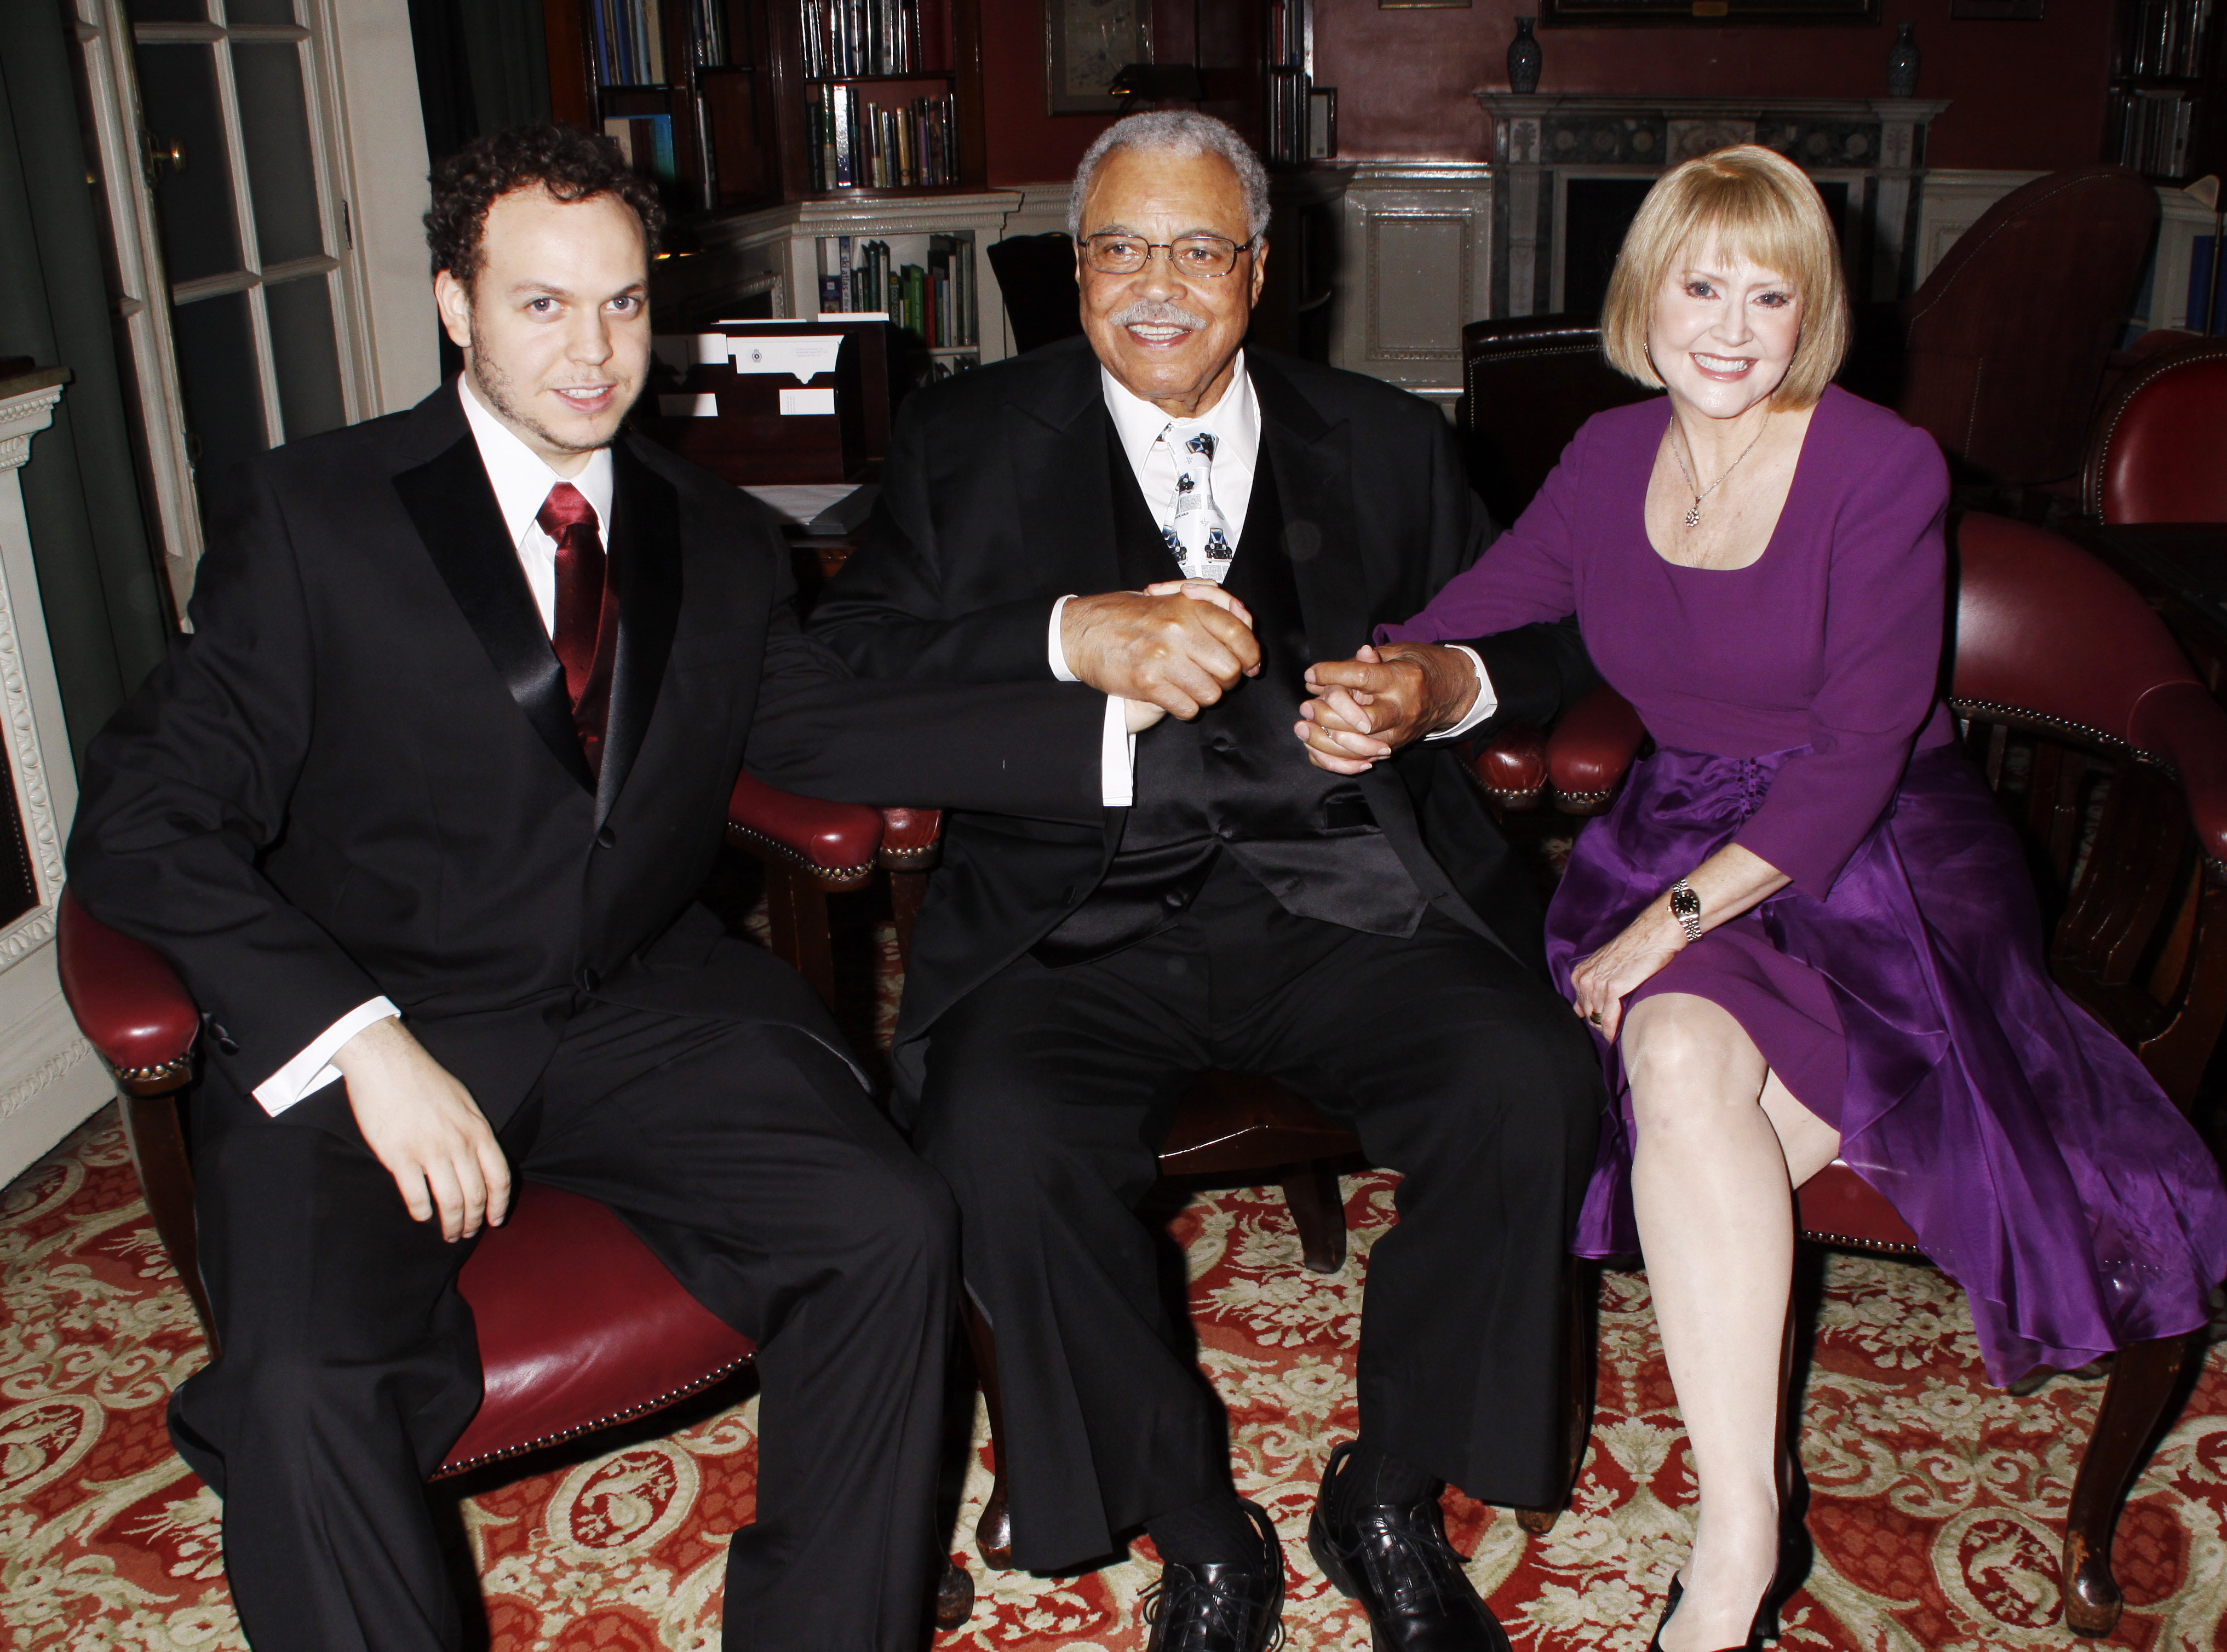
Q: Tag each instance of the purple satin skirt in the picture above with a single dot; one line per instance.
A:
(2033, 1156)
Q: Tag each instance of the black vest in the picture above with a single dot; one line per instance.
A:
(1235, 777)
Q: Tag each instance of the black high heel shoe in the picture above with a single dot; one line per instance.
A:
(1795, 1555)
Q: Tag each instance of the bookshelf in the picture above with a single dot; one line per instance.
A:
(2168, 115)
(733, 105)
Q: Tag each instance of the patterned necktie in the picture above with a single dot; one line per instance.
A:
(1197, 533)
(586, 633)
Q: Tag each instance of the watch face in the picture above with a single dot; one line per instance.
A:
(1684, 903)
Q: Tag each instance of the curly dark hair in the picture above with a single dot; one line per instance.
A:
(572, 165)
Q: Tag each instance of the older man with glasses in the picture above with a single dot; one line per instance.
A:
(1172, 517)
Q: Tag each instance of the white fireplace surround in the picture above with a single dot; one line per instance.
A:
(50, 1080)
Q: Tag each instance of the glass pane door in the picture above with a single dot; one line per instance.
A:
(251, 227)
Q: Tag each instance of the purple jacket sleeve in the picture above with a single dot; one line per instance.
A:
(1523, 576)
(1884, 613)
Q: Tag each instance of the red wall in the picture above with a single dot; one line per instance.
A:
(2025, 95)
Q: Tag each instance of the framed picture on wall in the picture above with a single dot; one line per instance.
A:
(1087, 43)
(1595, 13)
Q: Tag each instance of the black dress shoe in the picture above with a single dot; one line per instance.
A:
(1394, 1559)
(1219, 1607)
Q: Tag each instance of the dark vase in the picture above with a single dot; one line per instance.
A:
(1902, 61)
(1523, 58)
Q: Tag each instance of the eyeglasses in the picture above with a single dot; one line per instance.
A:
(1188, 255)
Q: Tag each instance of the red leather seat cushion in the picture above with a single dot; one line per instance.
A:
(1837, 1204)
(579, 1326)
(841, 838)
(2165, 457)
(128, 1001)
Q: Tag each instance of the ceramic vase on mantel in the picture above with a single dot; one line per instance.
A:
(1523, 58)
(1902, 61)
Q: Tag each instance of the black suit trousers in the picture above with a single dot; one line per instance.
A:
(751, 1161)
(1048, 1091)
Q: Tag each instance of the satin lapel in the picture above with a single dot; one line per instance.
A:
(645, 560)
(451, 501)
(1056, 444)
(1314, 481)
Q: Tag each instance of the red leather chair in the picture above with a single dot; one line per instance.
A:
(2081, 709)
(1527, 383)
(2005, 344)
(2159, 451)
(580, 1326)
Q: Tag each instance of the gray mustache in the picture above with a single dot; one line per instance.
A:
(1147, 311)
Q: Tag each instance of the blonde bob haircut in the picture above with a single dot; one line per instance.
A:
(1753, 204)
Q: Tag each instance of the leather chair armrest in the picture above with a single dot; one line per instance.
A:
(836, 843)
(2181, 722)
(128, 1002)
(1592, 750)
(912, 839)
(1513, 767)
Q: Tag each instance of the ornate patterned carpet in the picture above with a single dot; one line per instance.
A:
(1937, 1507)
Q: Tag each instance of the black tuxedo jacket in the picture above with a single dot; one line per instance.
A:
(358, 774)
(996, 502)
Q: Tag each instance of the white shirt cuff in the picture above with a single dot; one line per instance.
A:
(1117, 756)
(1487, 701)
(313, 1069)
(1055, 653)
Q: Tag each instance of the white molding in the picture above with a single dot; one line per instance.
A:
(46, 1086)
(1388, 208)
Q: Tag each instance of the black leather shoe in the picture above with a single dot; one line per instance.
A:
(1394, 1559)
(1218, 1607)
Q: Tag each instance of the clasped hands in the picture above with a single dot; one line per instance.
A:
(1176, 646)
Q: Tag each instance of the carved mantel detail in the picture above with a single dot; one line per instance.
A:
(1872, 148)
(22, 415)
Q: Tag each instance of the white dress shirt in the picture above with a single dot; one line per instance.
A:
(522, 479)
(1152, 440)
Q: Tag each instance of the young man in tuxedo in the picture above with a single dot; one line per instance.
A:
(419, 811)
(1369, 940)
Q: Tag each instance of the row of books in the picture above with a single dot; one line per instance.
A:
(647, 143)
(935, 303)
(2155, 128)
(870, 37)
(859, 144)
(1288, 117)
(2168, 37)
(628, 38)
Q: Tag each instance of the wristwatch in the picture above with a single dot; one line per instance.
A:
(1685, 907)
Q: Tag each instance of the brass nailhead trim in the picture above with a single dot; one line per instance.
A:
(735, 828)
(449, 1470)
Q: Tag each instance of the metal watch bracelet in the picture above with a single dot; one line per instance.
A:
(1685, 907)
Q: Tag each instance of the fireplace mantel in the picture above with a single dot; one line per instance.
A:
(1872, 149)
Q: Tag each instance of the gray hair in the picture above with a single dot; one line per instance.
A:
(1180, 131)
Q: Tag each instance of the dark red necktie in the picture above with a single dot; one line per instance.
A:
(587, 630)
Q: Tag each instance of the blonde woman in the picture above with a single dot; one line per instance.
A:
(1803, 931)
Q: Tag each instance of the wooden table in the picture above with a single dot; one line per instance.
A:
(2181, 568)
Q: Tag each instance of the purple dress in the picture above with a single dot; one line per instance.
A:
(1897, 985)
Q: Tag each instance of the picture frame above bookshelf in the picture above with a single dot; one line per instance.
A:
(732, 104)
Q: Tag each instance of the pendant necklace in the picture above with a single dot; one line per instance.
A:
(1694, 512)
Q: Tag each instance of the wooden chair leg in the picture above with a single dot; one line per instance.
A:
(1318, 1207)
(907, 892)
(796, 909)
(2144, 1379)
(158, 1140)
(1580, 1295)
(993, 1532)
